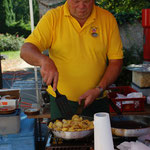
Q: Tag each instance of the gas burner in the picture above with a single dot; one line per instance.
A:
(77, 144)
(81, 144)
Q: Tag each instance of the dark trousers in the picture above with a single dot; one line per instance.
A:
(100, 105)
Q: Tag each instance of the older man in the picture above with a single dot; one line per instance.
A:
(85, 54)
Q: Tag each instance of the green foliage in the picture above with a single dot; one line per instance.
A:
(19, 28)
(22, 11)
(127, 17)
(36, 12)
(3, 14)
(10, 14)
(10, 42)
(131, 56)
(7, 15)
(20, 22)
(124, 10)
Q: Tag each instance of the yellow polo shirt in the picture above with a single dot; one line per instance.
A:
(79, 53)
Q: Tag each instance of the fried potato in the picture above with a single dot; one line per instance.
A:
(50, 125)
(74, 117)
(58, 123)
(75, 124)
(64, 129)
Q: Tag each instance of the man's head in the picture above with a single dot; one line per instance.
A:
(80, 9)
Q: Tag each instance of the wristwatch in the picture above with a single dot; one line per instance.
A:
(100, 89)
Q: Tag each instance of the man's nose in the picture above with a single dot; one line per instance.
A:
(81, 5)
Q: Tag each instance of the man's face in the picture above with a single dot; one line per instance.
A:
(80, 9)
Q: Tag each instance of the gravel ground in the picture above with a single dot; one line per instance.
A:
(14, 65)
(17, 74)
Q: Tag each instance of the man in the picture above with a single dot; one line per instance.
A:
(85, 54)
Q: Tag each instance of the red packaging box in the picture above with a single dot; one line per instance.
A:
(126, 104)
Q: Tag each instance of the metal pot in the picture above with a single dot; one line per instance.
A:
(130, 125)
(67, 135)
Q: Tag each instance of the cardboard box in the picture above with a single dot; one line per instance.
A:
(9, 97)
(14, 93)
(10, 123)
(23, 140)
(9, 102)
(141, 79)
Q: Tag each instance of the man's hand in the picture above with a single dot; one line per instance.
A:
(49, 72)
(32, 55)
(89, 96)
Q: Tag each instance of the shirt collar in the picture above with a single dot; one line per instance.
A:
(66, 9)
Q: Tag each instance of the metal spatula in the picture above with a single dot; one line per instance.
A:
(63, 105)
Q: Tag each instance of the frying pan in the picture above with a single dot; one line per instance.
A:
(67, 135)
(130, 125)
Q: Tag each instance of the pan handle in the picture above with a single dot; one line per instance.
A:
(57, 92)
(44, 87)
(115, 108)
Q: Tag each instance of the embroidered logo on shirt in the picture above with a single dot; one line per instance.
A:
(94, 31)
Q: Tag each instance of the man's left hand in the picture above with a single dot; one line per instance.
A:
(89, 96)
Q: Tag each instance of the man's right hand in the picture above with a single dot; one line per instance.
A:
(49, 72)
(32, 55)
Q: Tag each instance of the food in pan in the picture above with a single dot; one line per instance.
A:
(77, 123)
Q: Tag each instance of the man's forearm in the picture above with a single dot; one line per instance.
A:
(112, 72)
(31, 54)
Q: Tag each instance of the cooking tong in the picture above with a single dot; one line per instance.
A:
(115, 108)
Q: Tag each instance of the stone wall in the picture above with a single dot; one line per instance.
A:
(45, 5)
(131, 34)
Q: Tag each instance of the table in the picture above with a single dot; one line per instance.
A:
(145, 112)
(46, 114)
